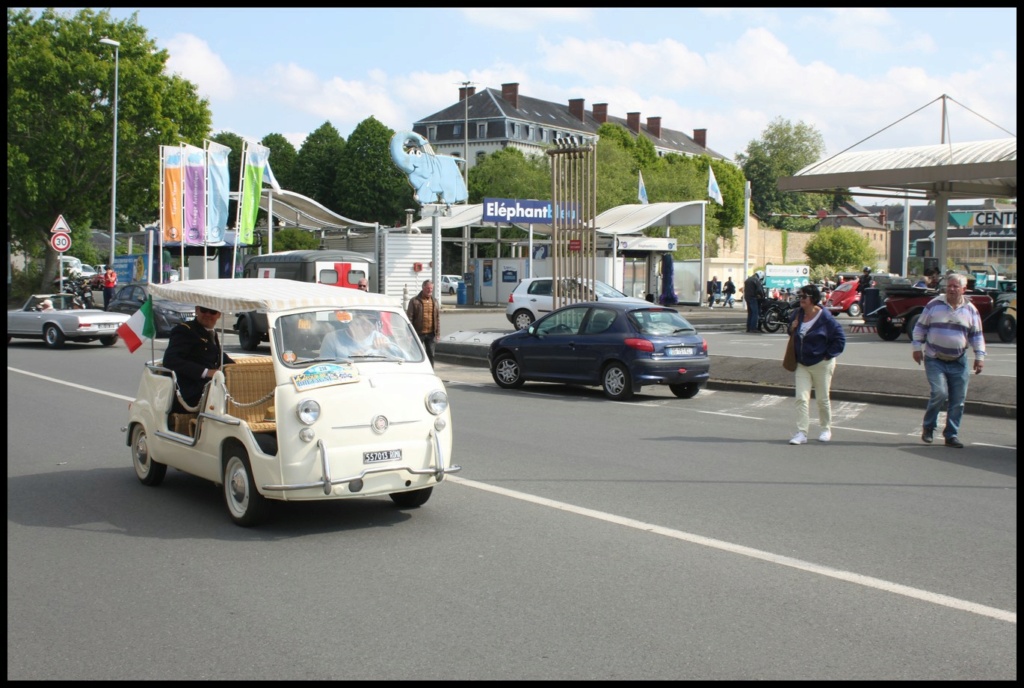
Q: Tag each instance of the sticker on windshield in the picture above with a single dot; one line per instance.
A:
(325, 375)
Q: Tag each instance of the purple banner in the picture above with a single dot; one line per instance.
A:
(195, 195)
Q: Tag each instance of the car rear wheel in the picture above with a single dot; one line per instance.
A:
(506, 372)
(522, 319)
(1007, 328)
(687, 390)
(109, 341)
(886, 329)
(617, 382)
(246, 506)
(148, 471)
(411, 500)
(854, 310)
(54, 337)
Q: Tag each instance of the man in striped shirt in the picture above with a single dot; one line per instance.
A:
(948, 326)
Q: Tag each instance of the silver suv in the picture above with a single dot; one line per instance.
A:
(532, 298)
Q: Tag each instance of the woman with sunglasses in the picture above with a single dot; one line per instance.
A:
(194, 354)
(819, 340)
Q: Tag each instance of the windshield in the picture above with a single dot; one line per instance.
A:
(345, 335)
(606, 291)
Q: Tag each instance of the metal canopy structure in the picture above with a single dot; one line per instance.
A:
(623, 219)
(296, 210)
(978, 169)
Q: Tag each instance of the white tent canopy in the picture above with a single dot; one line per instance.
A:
(265, 294)
(296, 210)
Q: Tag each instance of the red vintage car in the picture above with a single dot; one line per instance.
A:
(844, 299)
(903, 306)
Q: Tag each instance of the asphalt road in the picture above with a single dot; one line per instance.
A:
(658, 539)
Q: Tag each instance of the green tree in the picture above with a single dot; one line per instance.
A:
(783, 150)
(841, 248)
(370, 188)
(282, 159)
(510, 174)
(317, 164)
(293, 239)
(60, 89)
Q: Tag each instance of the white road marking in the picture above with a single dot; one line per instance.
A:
(780, 560)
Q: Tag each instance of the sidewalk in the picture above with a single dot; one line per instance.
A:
(987, 395)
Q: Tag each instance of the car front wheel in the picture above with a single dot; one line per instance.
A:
(886, 329)
(148, 471)
(246, 506)
(411, 500)
(522, 319)
(1007, 328)
(506, 372)
(617, 382)
(854, 310)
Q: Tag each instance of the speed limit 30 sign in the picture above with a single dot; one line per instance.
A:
(60, 241)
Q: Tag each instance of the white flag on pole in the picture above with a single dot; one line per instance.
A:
(642, 191)
(713, 191)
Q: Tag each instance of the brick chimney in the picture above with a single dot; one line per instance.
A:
(466, 92)
(510, 94)
(576, 108)
(633, 121)
(654, 127)
(700, 137)
(601, 112)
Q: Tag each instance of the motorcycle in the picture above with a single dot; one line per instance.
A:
(774, 314)
(81, 289)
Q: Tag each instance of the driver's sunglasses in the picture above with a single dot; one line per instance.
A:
(207, 311)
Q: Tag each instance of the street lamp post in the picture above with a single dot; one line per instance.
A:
(113, 179)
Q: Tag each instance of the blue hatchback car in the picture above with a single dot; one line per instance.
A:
(618, 346)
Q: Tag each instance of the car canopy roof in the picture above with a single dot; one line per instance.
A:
(266, 294)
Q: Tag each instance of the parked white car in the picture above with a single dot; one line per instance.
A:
(65, 321)
(449, 284)
(304, 423)
(532, 298)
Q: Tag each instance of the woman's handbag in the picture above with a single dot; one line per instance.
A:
(789, 360)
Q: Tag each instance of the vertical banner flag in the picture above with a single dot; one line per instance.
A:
(218, 193)
(713, 191)
(195, 194)
(138, 328)
(254, 158)
(170, 193)
(270, 178)
(642, 193)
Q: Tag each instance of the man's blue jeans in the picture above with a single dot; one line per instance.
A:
(948, 380)
(752, 314)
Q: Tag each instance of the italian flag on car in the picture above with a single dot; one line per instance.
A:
(139, 327)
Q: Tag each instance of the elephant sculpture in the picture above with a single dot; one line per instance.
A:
(434, 178)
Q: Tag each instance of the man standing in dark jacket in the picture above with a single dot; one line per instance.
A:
(753, 292)
(424, 313)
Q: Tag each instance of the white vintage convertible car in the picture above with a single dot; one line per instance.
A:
(63, 323)
(312, 420)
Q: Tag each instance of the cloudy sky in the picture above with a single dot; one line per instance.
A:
(854, 74)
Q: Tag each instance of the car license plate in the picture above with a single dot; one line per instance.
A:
(679, 350)
(378, 456)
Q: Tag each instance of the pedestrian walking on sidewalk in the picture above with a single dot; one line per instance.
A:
(819, 340)
(714, 288)
(948, 326)
(424, 313)
(729, 289)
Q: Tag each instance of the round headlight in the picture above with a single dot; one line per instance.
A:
(308, 411)
(437, 402)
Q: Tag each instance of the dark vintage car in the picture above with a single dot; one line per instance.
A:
(166, 314)
(904, 304)
(619, 346)
(63, 322)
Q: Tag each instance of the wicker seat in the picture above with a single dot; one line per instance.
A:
(249, 380)
(184, 423)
